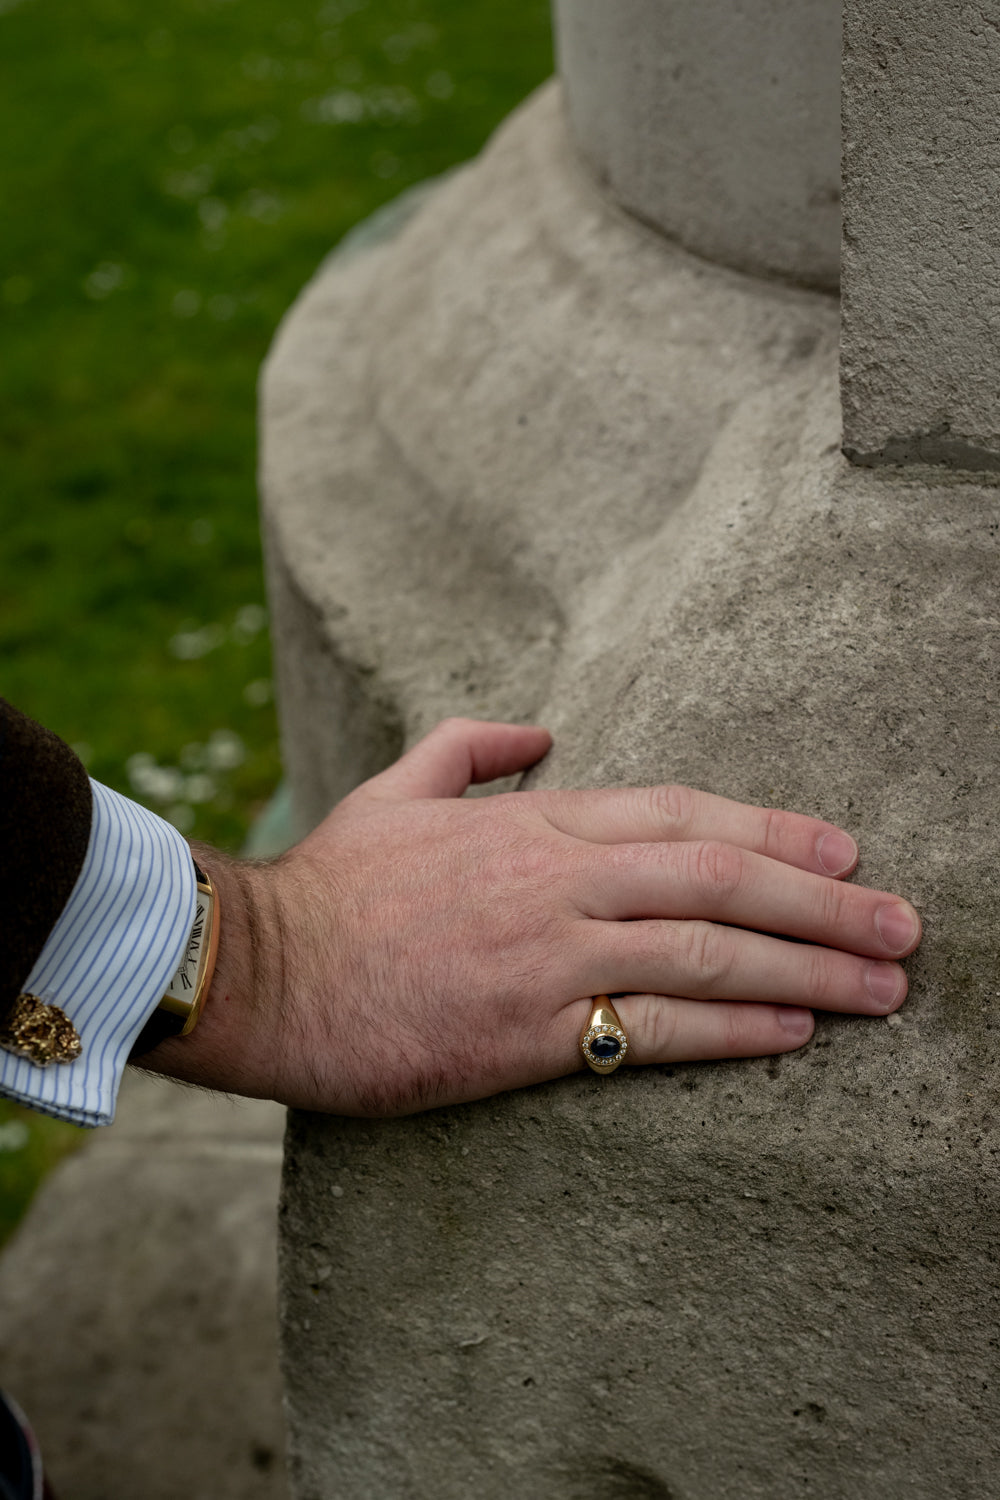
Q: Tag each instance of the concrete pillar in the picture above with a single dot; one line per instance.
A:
(716, 122)
(531, 459)
(921, 344)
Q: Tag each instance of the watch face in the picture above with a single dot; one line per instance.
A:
(184, 985)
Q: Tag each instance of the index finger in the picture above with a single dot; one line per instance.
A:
(669, 814)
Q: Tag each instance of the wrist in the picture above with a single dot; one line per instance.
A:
(183, 1000)
(232, 1046)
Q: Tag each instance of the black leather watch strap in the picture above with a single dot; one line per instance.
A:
(161, 1024)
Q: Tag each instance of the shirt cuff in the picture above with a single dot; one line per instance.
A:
(109, 957)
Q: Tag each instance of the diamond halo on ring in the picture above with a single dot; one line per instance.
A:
(604, 1040)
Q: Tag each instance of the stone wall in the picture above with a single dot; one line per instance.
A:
(531, 458)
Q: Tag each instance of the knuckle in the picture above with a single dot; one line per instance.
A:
(529, 911)
(613, 860)
(775, 830)
(716, 868)
(670, 807)
(512, 933)
(706, 956)
(655, 1021)
(831, 899)
(533, 864)
(737, 1029)
(817, 980)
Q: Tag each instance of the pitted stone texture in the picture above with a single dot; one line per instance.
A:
(461, 430)
(717, 122)
(741, 1282)
(921, 250)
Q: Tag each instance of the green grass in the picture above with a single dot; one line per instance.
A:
(171, 173)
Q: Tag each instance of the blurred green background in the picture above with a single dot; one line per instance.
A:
(171, 174)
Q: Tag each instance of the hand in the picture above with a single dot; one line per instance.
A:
(419, 950)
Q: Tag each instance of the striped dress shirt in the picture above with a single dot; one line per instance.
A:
(109, 957)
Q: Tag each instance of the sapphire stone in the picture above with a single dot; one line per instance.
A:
(605, 1047)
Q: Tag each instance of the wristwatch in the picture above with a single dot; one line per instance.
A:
(184, 1000)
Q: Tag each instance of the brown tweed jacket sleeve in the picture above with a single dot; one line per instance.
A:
(45, 811)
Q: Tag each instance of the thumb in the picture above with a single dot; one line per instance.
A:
(457, 753)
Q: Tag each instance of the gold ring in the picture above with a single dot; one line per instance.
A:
(604, 1040)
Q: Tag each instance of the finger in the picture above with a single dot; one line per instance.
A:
(456, 754)
(706, 961)
(664, 1029)
(653, 814)
(720, 883)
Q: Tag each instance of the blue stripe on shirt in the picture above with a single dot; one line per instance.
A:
(109, 957)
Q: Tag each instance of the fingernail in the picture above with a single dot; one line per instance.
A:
(884, 983)
(836, 851)
(795, 1020)
(897, 925)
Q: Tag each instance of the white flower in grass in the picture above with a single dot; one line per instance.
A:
(186, 303)
(192, 184)
(398, 47)
(137, 767)
(225, 750)
(258, 133)
(258, 692)
(200, 787)
(14, 1136)
(260, 67)
(158, 783)
(334, 11)
(265, 207)
(163, 783)
(189, 645)
(389, 103)
(340, 107)
(106, 278)
(213, 213)
(249, 622)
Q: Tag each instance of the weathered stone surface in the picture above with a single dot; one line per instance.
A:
(921, 250)
(137, 1305)
(531, 460)
(435, 404)
(718, 123)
